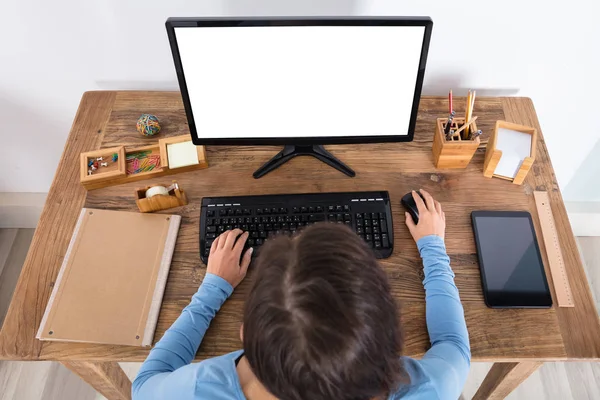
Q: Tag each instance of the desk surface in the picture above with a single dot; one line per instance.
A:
(106, 119)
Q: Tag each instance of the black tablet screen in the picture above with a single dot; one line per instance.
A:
(509, 257)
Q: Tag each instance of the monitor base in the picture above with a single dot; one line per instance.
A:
(291, 151)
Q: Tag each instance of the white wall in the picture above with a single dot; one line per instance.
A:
(51, 52)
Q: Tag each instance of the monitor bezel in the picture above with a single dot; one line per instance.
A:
(173, 23)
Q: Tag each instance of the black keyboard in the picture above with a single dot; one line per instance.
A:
(367, 213)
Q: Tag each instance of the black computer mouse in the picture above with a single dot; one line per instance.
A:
(409, 203)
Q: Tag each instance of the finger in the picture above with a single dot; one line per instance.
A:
(419, 202)
(409, 221)
(233, 235)
(438, 207)
(223, 239)
(215, 245)
(444, 216)
(246, 261)
(239, 245)
(428, 200)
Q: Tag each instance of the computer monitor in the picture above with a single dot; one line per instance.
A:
(300, 82)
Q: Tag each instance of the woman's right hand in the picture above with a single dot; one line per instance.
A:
(432, 220)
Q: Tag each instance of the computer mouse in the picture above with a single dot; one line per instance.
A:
(409, 203)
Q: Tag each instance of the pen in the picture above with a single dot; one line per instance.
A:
(449, 123)
(450, 108)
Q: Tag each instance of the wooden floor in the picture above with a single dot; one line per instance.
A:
(50, 380)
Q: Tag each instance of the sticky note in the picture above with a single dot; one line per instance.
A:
(182, 154)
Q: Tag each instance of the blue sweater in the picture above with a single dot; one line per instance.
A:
(441, 373)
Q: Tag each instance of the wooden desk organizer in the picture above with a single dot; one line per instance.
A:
(175, 198)
(116, 173)
(454, 153)
(493, 155)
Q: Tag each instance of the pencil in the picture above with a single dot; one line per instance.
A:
(450, 108)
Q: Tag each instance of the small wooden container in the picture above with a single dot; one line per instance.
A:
(175, 198)
(117, 172)
(493, 155)
(454, 153)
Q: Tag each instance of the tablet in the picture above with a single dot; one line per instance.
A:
(512, 272)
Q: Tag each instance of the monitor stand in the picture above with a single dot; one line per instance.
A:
(291, 151)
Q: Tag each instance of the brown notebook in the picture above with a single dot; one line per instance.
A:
(109, 288)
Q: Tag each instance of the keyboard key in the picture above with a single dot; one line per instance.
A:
(295, 210)
(277, 226)
(346, 208)
(347, 217)
(268, 227)
(376, 236)
(211, 229)
(237, 226)
(319, 209)
(384, 241)
(274, 210)
(229, 212)
(259, 242)
(293, 226)
(250, 242)
(339, 217)
(228, 227)
(272, 219)
(247, 211)
(252, 227)
(255, 220)
(266, 210)
(211, 235)
(311, 210)
(349, 223)
(317, 217)
(222, 212)
(375, 229)
(285, 226)
(367, 222)
(303, 209)
(283, 210)
(304, 218)
(210, 213)
(383, 225)
(377, 244)
(259, 211)
(359, 216)
(338, 208)
(331, 217)
(262, 234)
(331, 208)
(288, 218)
(280, 219)
(245, 228)
(368, 229)
(221, 229)
(254, 234)
(360, 222)
(237, 211)
(239, 220)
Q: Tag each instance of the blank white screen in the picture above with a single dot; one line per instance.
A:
(303, 81)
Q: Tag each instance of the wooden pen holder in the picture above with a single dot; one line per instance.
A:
(454, 153)
(174, 198)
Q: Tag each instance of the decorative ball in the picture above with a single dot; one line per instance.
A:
(148, 125)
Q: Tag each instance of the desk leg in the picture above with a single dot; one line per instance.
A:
(503, 378)
(106, 377)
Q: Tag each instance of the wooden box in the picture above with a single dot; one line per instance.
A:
(176, 197)
(493, 154)
(455, 153)
(121, 171)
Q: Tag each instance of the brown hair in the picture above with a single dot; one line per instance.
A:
(319, 321)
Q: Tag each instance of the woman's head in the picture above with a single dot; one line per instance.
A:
(320, 322)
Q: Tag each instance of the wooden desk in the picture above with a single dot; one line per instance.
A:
(518, 340)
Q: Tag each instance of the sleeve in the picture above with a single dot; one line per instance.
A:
(180, 342)
(449, 358)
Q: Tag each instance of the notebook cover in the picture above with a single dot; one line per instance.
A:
(109, 288)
